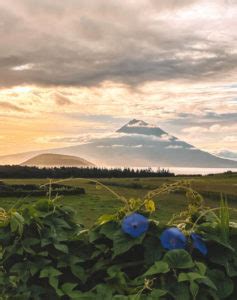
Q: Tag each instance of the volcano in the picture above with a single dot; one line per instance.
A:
(136, 144)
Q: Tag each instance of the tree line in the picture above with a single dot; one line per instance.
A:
(67, 172)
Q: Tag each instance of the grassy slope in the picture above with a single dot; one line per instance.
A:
(97, 202)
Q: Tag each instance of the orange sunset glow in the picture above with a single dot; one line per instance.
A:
(75, 70)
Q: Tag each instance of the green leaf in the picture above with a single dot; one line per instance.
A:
(45, 242)
(49, 271)
(201, 267)
(109, 229)
(19, 268)
(30, 242)
(190, 276)
(220, 255)
(130, 297)
(79, 272)
(61, 247)
(194, 289)
(179, 291)
(104, 292)
(94, 235)
(157, 268)
(231, 269)
(27, 243)
(223, 284)
(156, 294)
(17, 223)
(211, 232)
(179, 259)
(117, 276)
(43, 253)
(33, 268)
(224, 257)
(153, 250)
(53, 281)
(67, 288)
(61, 223)
(207, 281)
(122, 242)
(18, 217)
(113, 271)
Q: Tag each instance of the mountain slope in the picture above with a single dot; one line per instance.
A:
(56, 160)
(139, 144)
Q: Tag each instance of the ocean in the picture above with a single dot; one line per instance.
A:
(183, 171)
(202, 171)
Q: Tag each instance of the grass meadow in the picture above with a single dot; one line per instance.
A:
(99, 201)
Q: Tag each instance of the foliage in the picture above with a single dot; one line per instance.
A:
(90, 172)
(46, 254)
(24, 190)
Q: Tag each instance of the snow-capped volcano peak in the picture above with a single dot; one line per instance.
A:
(140, 127)
(137, 123)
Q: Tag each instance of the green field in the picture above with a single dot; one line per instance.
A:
(97, 202)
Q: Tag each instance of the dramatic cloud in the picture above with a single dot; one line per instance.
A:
(11, 107)
(75, 69)
(61, 100)
(127, 42)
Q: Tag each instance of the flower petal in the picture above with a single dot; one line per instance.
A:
(199, 244)
(173, 238)
(135, 225)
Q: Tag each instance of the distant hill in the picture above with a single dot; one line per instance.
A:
(56, 160)
(136, 144)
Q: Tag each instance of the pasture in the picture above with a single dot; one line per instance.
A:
(96, 202)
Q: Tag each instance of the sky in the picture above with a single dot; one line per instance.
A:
(76, 69)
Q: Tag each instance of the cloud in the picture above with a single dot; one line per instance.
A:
(171, 4)
(83, 138)
(164, 138)
(123, 146)
(216, 128)
(172, 63)
(11, 107)
(125, 42)
(174, 147)
(227, 154)
(79, 139)
(230, 138)
(23, 67)
(109, 136)
(61, 100)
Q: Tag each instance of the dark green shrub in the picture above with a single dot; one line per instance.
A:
(45, 254)
(25, 190)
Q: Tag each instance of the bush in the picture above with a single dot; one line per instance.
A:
(25, 190)
(45, 254)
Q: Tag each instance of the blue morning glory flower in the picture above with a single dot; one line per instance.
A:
(173, 238)
(198, 243)
(135, 225)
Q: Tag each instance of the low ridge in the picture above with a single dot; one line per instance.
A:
(56, 160)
